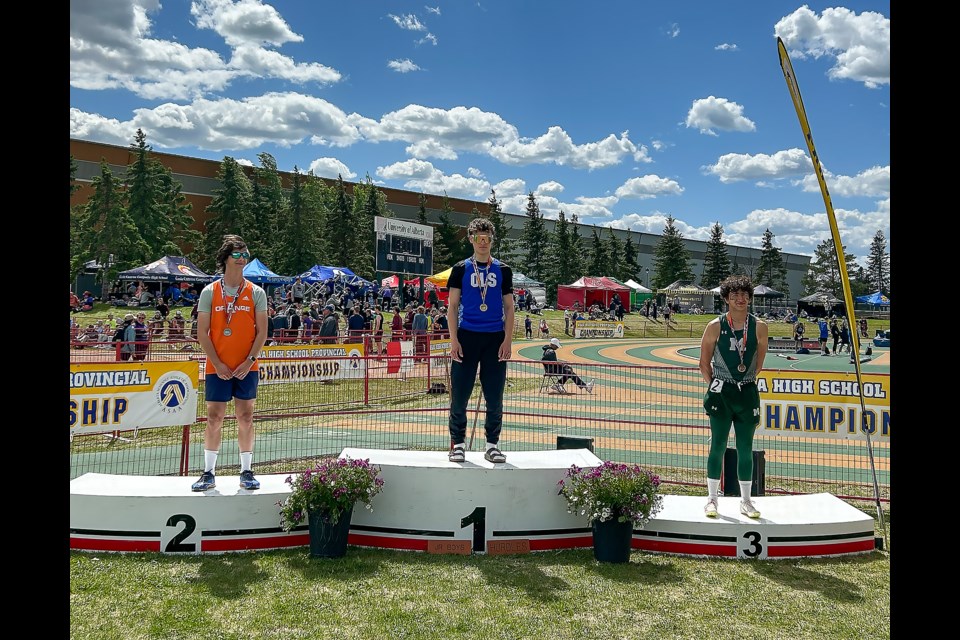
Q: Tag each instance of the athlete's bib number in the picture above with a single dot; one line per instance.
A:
(716, 385)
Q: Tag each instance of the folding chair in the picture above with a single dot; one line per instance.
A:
(551, 377)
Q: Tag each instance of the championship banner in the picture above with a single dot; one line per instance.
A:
(440, 360)
(322, 363)
(824, 405)
(598, 329)
(123, 396)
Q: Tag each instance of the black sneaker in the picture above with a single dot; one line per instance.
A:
(247, 481)
(207, 481)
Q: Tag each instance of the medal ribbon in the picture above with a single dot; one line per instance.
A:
(229, 311)
(482, 281)
(742, 346)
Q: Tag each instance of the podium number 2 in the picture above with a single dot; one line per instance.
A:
(176, 544)
(478, 518)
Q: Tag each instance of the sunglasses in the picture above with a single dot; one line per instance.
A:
(236, 255)
(482, 238)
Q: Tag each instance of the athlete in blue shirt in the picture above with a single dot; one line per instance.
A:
(480, 318)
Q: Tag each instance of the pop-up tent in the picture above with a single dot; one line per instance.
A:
(257, 272)
(322, 273)
(167, 269)
(535, 287)
(640, 293)
(820, 304)
(440, 279)
(876, 298)
(589, 290)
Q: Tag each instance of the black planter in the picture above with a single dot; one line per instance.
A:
(611, 540)
(328, 540)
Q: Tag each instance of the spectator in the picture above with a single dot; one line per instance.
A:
(408, 319)
(143, 295)
(440, 325)
(156, 326)
(433, 298)
(396, 325)
(128, 337)
(552, 365)
(528, 327)
(376, 326)
(293, 331)
(835, 334)
(329, 328)
(75, 303)
(419, 326)
(176, 332)
(798, 331)
(281, 322)
(163, 308)
(141, 337)
(297, 290)
(309, 328)
(172, 293)
(824, 334)
(188, 298)
(844, 338)
(863, 328)
(87, 302)
(566, 322)
(355, 322)
(544, 328)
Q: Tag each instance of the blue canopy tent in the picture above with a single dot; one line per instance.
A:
(257, 272)
(876, 298)
(167, 269)
(323, 273)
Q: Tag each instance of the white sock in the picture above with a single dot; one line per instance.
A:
(745, 487)
(490, 445)
(210, 460)
(458, 446)
(713, 487)
(246, 460)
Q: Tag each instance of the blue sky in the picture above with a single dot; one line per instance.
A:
(622, 112)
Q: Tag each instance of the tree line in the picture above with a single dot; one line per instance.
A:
(137, 217)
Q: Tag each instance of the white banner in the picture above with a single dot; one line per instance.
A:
(121, 396)
(313, 363)
(598, 329)
(439, 365)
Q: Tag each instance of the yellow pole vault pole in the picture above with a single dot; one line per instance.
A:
(794, 88)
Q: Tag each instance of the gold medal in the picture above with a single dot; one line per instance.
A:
(483, 306)
(227, 331)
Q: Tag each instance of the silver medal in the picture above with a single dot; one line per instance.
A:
(227, 331)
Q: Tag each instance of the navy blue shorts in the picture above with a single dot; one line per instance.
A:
(219, 390)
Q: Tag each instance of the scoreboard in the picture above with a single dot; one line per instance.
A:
(404, 247)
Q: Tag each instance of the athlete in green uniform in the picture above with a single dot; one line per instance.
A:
(731, 355)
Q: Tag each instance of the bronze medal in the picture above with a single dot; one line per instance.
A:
(742, 368)
(227, 331)
(483, 306)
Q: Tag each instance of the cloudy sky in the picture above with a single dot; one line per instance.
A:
(622, 112)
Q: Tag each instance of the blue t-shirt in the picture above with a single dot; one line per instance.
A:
(498, 278)
(824, 330)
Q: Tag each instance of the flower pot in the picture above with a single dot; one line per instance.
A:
(328, 540)
(611, 540)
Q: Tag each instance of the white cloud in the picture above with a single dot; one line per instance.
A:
(409, 22)
(556, 147)
(511, 187)
(707, 114)
(733, 167)
(420, 175)
(473, 172)
(403, 66)
(872, 183)
(673, 30)
(431, 149)
(435, 10)
(549, 187)
(432, 39)
(860, 44)
(726, 46)
(331, 168)
(649, 186)
(243, 22)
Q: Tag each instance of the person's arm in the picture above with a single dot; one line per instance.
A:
(206, 343)
(763, 332)
(506, 347)
(453, 309)
(261, 339)
(707, 344)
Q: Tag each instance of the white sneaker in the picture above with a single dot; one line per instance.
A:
(747, 509)
(710, 509)
(590, 387)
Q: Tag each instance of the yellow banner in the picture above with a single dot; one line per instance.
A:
(122, 396)
(311, 363)
(598, 329)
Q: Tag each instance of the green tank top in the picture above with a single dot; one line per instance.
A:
(726, 355)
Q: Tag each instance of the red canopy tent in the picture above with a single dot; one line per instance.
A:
(588, 291)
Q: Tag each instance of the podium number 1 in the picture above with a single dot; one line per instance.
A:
(478, 518)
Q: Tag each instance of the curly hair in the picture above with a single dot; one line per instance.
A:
(736, 283)
(231, 243)
(478, 225)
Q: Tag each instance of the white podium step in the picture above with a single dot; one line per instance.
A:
(431, 504)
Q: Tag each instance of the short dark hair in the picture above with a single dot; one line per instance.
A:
(231, 243)
(736, 283)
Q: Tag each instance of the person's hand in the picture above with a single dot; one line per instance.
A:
(506, 350)
(223, 372)
(456, 351)
(242, 369)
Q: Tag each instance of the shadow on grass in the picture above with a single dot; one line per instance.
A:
(805, 576)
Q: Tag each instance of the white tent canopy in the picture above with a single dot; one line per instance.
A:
(636, 286)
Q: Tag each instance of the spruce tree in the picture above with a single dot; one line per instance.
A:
(299, 245)
(533, 241)
(716, 259)
(502, 248)
(228, 212)
(269, 210)
(338, 231)
(422, 209)
(616, 265)
(824, 271)
(771, 271)
(577, 249)
(671, 259)
(598, 256)
(562, 266)
(631, 268)
(448, 247)
(878, 264)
